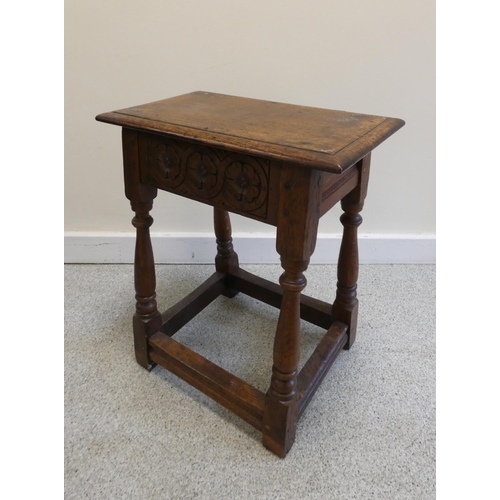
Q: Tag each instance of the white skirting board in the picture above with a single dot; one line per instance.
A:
(252, 248)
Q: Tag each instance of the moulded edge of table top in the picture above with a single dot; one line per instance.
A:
(334, 162)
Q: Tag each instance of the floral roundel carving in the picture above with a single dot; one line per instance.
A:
(202, 175)
(167, 159)
(233, 180)
(245, 183)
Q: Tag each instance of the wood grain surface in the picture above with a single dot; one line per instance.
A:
(318, 138)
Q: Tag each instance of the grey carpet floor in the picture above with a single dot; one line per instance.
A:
(368, 433)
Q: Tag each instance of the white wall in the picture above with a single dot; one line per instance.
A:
(355, 55)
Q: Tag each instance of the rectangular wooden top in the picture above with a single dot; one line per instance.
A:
(313, 137)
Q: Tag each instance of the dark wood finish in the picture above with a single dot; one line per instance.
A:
(312, 310)
(226, 260)
(345, 306)
(185, 310)
(283, 165)
(317, 366)
(147, 319)
(228, 390)
(298, 218)
(312, 137)
(335, 186)
(238, 182)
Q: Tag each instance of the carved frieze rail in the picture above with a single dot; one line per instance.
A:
(236, 181)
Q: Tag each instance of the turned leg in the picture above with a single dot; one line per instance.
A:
(280, 416)
(345, 306)
(147, 319)
(298, 217)
(226, 260)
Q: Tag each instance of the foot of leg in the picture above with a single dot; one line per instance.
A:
(280, 411)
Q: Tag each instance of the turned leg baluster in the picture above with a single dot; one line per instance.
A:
(280, 416)
(147, 319)
(226, 260)
(295, 241)
(345, 306)
(286, 352)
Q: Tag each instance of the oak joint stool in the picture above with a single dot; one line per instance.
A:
(280, 164)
